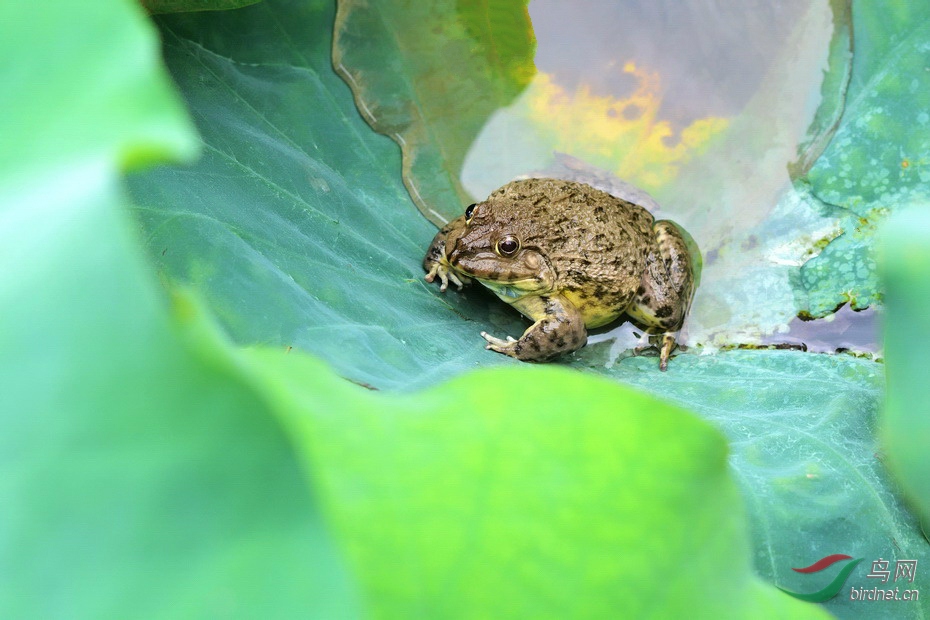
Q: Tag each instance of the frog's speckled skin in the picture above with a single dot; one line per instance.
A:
(569, 257)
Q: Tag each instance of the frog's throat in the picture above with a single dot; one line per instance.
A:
(512, 291)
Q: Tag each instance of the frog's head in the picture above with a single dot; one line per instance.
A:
(496, 248)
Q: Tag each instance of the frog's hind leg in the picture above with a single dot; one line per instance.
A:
(559, 328)
(664, 295)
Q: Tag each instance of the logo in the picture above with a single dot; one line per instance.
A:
(834, 587)
(906, 570)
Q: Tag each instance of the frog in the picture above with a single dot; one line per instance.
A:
(570, 258)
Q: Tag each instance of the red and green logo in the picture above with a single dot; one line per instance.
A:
(833, 588)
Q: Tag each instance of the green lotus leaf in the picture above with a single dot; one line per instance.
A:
(183, 6)
(906, 274)
(833, 90)
(398, 60)
(132, 116)
(141, 477)
(876, 163)
(492, 496)
(295, 226)
(802, 432)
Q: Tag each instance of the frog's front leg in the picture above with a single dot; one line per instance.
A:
(559, 328)
(664, 296)
(436, 262)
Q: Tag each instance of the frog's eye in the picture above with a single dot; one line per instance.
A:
(508, 246)
(469, 211)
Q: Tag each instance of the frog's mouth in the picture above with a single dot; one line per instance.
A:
(509, 280)
(510, 290)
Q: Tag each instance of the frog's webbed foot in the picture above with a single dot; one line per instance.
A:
(446, 274)
(435, 263)
(645, 343)
(668, 344)
(500, 345)
(665, 343)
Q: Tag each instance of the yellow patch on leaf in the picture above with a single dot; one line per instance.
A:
(622, 135)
